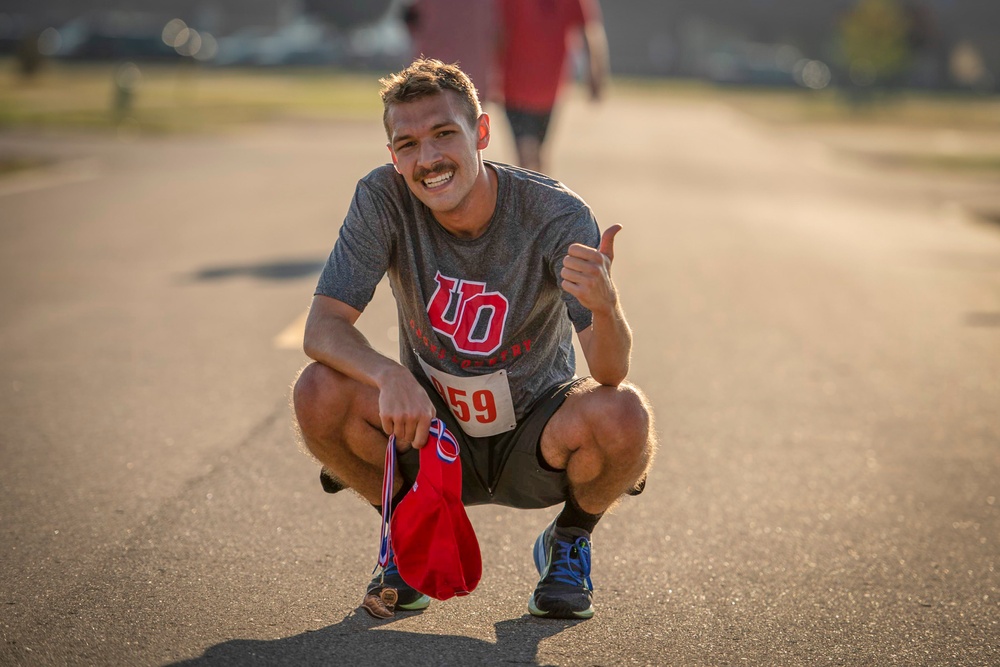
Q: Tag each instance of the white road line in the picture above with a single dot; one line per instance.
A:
(76, 171)
(290, 337)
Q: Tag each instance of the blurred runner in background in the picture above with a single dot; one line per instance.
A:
(458, 31)
(536, 36)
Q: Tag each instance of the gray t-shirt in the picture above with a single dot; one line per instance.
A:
(470, 306)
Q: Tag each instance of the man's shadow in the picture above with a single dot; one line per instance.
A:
(360, 640)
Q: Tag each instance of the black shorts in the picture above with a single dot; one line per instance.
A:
(505, 469)
(529, 123)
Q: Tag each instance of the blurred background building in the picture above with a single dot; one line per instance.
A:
(933, 44)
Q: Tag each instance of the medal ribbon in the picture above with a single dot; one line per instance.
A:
(388, 475)
(447, 450)
(446, 445)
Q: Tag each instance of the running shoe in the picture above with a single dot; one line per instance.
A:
(406, 597)
(562, 556)
(330, 483)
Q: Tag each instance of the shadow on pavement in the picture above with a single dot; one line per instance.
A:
(360, 639)
(991, 216)
(982, 319)
(286, 270)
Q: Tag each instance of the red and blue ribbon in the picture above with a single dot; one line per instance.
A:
(388, 475)
(447, 450)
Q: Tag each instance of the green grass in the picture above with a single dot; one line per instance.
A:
(905, 109)
(939, 162)
(831, 106)
(883, 113)
(180, 98)
(11, 164)
(187, 98)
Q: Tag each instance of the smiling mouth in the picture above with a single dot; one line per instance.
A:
(433, 182)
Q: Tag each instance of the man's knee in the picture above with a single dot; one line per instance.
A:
(623, 423)
(318, 392)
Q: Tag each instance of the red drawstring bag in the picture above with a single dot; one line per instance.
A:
(435, 546)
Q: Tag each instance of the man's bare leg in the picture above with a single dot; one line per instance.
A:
(603, 437)
(529, 153)
(338, 420)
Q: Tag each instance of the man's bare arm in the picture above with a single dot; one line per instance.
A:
(332, 339)
(598, 62)
(607, 346)
(607, 343)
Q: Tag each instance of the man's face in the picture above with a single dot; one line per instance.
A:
(436, 150)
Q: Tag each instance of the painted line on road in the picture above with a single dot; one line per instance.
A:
(291, 336)
(76, 171)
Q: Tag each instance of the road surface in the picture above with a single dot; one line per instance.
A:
(820, 339)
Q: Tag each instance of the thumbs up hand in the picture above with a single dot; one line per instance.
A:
(586, 273)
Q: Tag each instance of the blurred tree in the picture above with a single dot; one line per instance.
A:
(875, 41)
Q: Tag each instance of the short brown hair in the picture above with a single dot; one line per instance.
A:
(427, 76)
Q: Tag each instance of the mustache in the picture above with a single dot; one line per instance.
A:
(437, 168)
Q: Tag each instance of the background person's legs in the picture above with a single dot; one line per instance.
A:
(529, 153)
(529, 129)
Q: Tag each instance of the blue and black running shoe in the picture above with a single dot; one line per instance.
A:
(562, 556)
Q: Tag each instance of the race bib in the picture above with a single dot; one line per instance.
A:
(481, 403)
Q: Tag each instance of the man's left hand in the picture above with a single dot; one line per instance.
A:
(586, 273)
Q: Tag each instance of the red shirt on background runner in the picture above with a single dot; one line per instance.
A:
(462, 31)
(533, 57)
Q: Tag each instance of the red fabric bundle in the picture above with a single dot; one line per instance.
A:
(435, 545)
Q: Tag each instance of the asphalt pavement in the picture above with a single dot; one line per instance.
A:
(819, 337)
